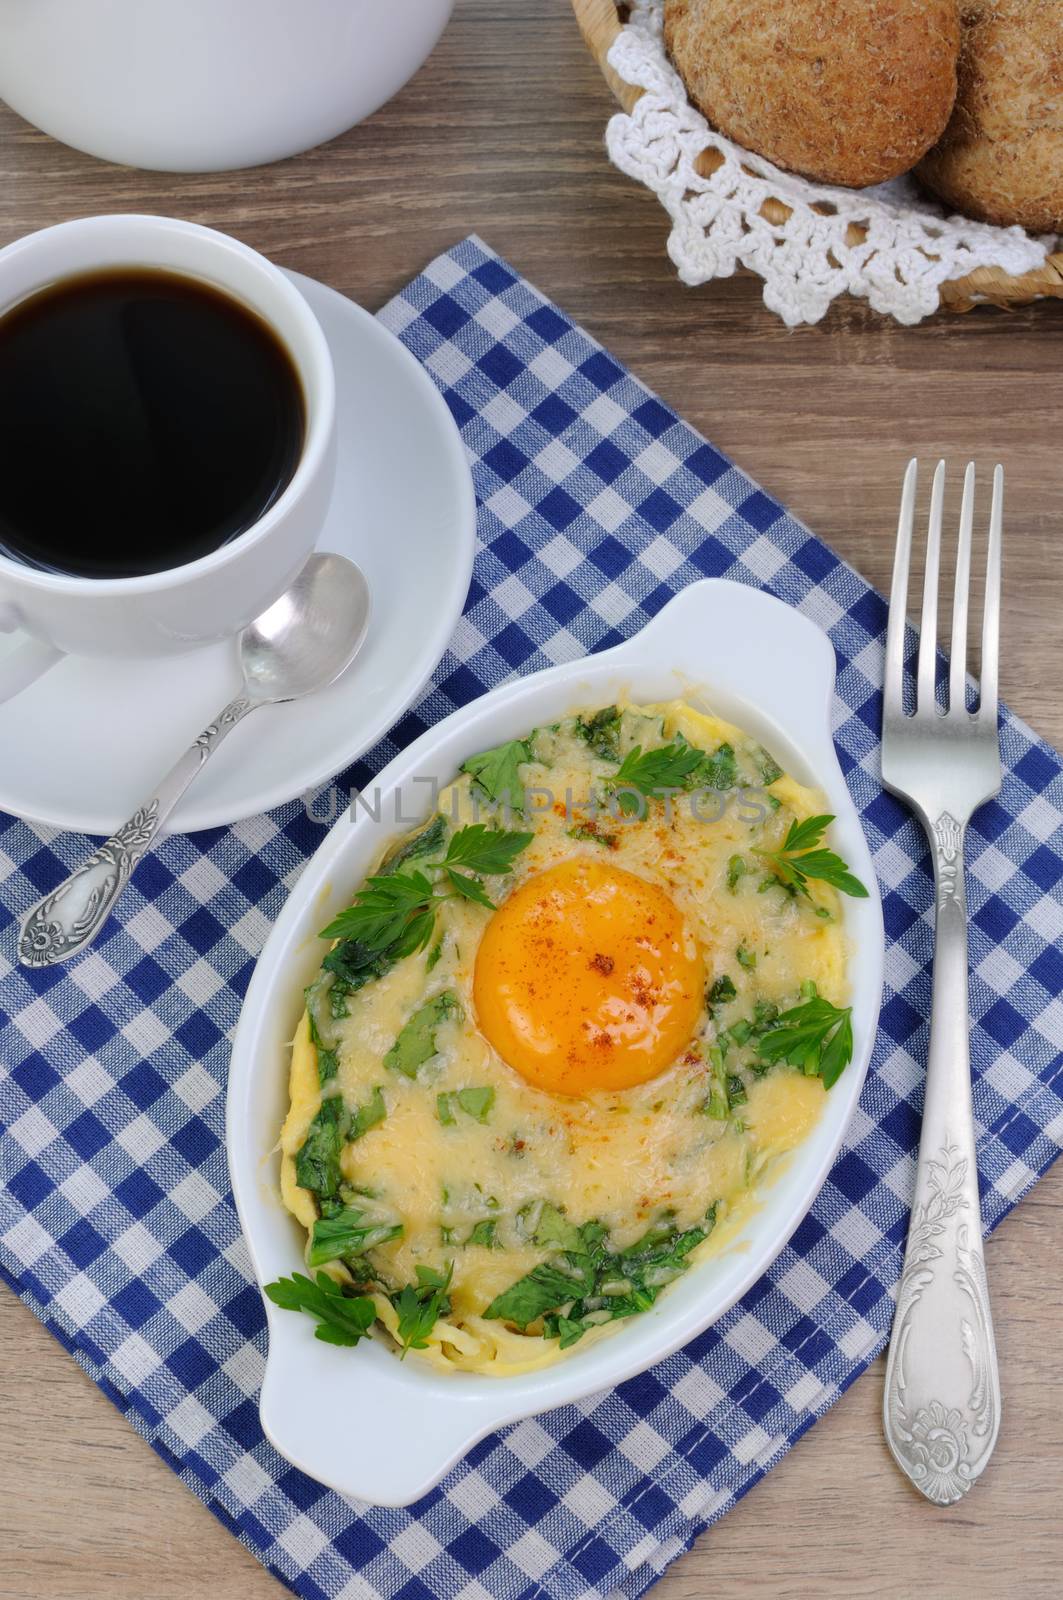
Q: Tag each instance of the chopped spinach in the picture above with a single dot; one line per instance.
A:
(584, 1283)
(545, 1288)
(416, 1043)
(764, 1014)
(328, 1061)
(593, 834)
(767, 766)
(602, 732)
(736, 1090)
(723, 989)
(348, 1233)
(367, 1116)
(638, 729)
(337, 1000)
(719, 771)
(425, 843)
(718, 1105)
(737, 867)
(317, 1166)
(553, 1231)
(475, 1103)
(497, 773)
(355, 964)
(737, 1034)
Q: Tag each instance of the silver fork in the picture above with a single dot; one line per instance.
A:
(942, 1402)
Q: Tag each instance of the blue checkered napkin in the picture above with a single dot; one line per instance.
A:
(116, 1222)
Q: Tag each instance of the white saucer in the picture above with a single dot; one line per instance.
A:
(89, 740)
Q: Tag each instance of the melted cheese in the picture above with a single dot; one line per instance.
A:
(623, 1157)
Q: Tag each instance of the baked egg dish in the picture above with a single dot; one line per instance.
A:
(560, 1036)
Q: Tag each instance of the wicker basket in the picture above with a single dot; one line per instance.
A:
(600, 22)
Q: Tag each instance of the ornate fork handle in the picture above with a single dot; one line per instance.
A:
(942, 1399)
(68, 918)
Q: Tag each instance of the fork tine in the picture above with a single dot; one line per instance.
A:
(928, 627)
(894, 683)
(987, 705)
(958, 652)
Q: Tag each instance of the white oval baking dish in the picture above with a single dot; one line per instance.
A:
(384, 1430)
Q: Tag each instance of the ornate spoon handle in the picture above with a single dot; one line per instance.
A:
(942, 1399)
(68, 918)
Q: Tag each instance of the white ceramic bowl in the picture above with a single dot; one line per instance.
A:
(750, 658)
(203, 85)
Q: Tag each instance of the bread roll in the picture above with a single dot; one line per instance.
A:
(1001, 156)
(843, 91)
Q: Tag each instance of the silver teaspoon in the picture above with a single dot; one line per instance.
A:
(302, 643)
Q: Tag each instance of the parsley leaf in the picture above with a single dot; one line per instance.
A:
(342, 1318)
(830, 868)
(815, 1036)
(799, 858)
(737, 867)
(485, 850)
(416, 1042)
(803, 835)
(497, 772)
(348, 1233)
(393, 914)
(385, 909)
(665, 768)
(467, 888)
(420, 1306)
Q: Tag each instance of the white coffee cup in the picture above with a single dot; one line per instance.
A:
(165, 613)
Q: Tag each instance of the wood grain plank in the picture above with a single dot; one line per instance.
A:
(501, 133)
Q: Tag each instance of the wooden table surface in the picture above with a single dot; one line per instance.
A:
(502, 134)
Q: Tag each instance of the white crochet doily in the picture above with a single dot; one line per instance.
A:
(910, 247)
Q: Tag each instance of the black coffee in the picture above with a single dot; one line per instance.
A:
(145, 420)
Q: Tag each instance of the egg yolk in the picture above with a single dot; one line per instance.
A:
(586, 978)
